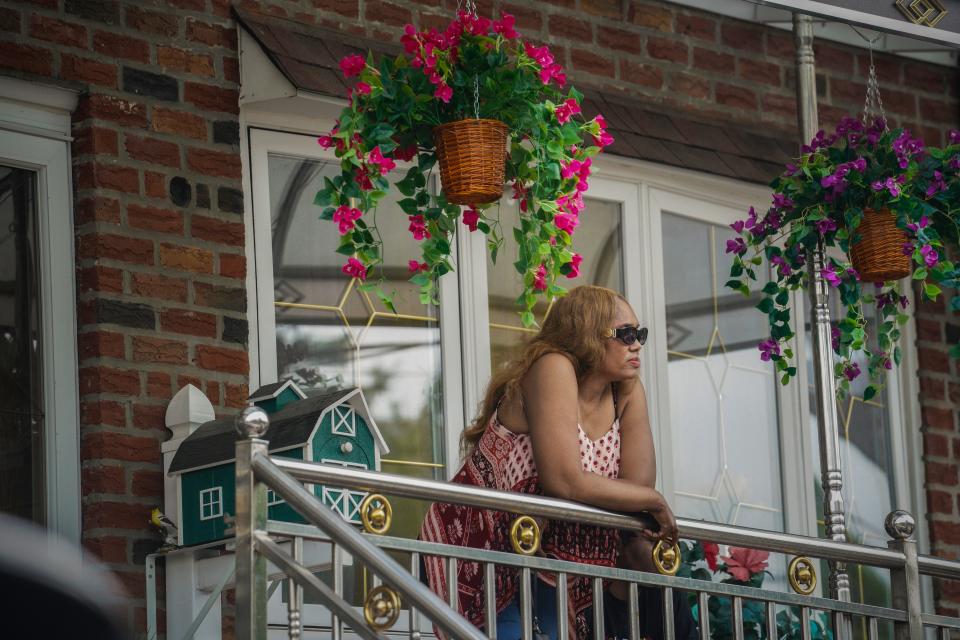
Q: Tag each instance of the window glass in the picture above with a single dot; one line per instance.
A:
(211, 503)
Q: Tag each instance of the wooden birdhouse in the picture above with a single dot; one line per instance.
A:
(333, 427)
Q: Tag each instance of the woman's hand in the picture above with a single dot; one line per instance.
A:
(668, 533)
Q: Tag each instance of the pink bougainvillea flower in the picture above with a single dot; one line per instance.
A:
(737, 246)
(406, 154)
(363, 180)
(443, 92)
(418, 227)
(830, 276)
(768, 349)
(362, 89)
(574, 265)
(569, 169)
(504, 26)
(345, 217)
(471, 217)
(710, 552)
(566, 110)
(352, 65)
(326, 141)
(566, 222)
(930, 256)
(916, 226)
(825, 225)
(540, 278)
(415, 267)
(355, 269)
(743, 563)
(376, 157)
(851, 370)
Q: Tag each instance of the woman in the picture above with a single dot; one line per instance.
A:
(567, 419)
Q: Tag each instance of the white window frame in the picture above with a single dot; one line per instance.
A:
(273, 498)
(343, 421)
(35, 135)
(215, 503)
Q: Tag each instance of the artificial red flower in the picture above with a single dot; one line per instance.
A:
(575, 271)
(355, 269)
(710, 551)
(352, 65)
(418, 227)
(743, 563)
(471, 217)
(345, 217)
(540, 278)
(413, 266)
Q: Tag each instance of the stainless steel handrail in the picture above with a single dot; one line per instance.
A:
(306, 504)
(555, 508)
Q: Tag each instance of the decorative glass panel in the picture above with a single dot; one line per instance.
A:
(331, 334)
(597, 239)
(21, 397)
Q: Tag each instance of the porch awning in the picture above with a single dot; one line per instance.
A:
(308, 57)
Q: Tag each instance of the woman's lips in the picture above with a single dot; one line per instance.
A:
(635, 363)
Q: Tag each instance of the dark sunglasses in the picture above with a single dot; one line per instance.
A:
(627, 335)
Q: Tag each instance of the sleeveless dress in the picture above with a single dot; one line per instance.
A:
(503, 460)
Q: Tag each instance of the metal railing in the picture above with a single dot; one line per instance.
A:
(256, 471)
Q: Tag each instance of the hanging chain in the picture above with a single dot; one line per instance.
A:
(476, 97)
(872, 104)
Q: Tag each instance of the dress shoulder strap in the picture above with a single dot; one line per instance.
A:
(616, 408)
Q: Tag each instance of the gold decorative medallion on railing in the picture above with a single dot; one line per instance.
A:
(525, 535)
(666, 559)
(923, 12)
(381, 608)
(376, 514)
(802, 575)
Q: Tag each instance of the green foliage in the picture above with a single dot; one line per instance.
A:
(823, 198)
(476, 68)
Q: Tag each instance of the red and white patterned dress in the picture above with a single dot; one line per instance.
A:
(503, 460)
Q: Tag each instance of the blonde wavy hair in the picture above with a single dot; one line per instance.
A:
(574, 328)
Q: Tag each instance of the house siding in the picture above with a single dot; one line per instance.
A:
(158, 201)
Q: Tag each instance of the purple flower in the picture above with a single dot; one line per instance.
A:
(954, 136)
(835, 338)
(792, 170)
(954, 163)
(751, 219)
(737, 226)
(768, 349)
(818, 142)
(906, 148)
(907, 248)
(922, 224)
(825, 225)
(853, 272)
(737, 246)
(890, 184)
(830, 276)
(936, 185)
(782, 266)
(781, 201)
(930, 257)
(851, 370)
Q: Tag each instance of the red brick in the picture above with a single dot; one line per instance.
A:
(231, 69)
(759, 71)
(158, 385)
(527, 18)
(348, 8)
(945, 532)
(117, 515)
(222, 164)
(149, 349)
(925, 77)
(212, 98)
(741, 36)
(149, 416)
(780, 44)
(604, 8)
(152, 150)
(214, 230)
(709, 60)
(650, 16)
(933, 360)
(191, 323)
(189, 5)
(937, 418)
(687, 84)
(644, 75)
(940, 502)
(932, 388)
(221, 359)
(98, 412)
(154, 184)
(10, 20)
(783, 106)
(134, 586)
(889, 70)
(427, 21)
(833, 58)
(95, 140)
(589, 62)
(212, 389)
(109, 380)
(737, 97)
(24, 58)
(147, 483)
(179, 123)
(97, 209)
(145, 21)
(936, 444)
(105, 279)
(97, 245)
(59, 31)
(93, 175)
(186, 258)
(619, 39)
(901, 102)
(940, 473)
(120, 46)
(155, 219)
(87, 70)
(154, 285)
(954, 394)
(387, 12)
(184, 380)
(939, 111)
(107, 548)
(114, 109)
(198, 64)
(103, 479)
(233, 265)
(574, 28)
(235, 395)
(669, 50)
(928, 329)
(212, 35)
(100, 344)
(696, 26)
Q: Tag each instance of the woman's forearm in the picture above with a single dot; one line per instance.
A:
(606, 493)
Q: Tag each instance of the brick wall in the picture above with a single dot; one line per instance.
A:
(158, 204)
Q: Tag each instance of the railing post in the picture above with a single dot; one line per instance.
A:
(251, 516)
(905, 582)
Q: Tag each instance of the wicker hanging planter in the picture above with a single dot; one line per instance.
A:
(878, 255)
(472, 155)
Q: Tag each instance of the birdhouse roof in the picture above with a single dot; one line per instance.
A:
(274, 389)
(214, 442)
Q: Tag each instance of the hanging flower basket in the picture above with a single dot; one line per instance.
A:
(878, 255)
(472, 154)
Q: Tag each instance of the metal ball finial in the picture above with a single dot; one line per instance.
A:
(252, 422)
(899, 524)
